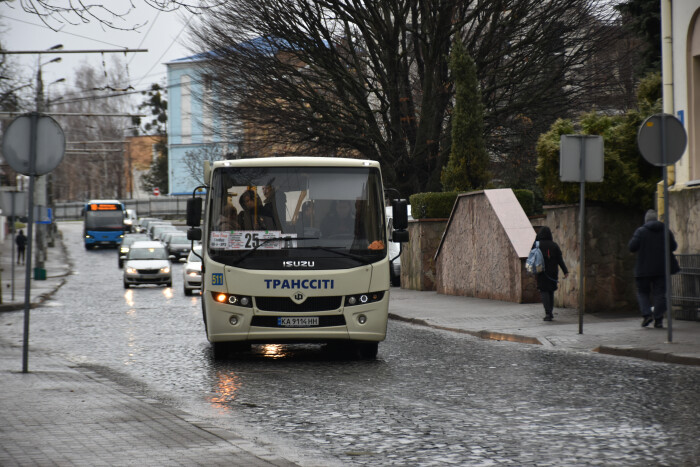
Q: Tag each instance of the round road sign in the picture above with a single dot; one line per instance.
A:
(50, 144)
(649, 139)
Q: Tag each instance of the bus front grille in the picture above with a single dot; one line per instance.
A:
(286, 305)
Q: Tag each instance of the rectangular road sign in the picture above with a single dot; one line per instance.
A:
(571, 148)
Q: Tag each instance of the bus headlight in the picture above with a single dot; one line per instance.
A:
(362, 319)
(233, 320)
(363, 299)
(231, 299)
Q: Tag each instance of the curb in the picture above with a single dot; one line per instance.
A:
(648, 354)
(487, 335)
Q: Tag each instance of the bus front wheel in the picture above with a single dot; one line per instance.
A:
(367, 350)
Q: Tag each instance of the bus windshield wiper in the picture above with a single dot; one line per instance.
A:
(359, 258)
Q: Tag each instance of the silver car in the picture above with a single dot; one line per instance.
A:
(192, 272)
(147, 263)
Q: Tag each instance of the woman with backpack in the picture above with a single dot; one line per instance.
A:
(547, 280)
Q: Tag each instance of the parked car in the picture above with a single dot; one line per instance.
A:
(126, 245)
(130, 220)
(178, 246)
(147, 263)
(142, 223)
(153, 224)
(192, 272)
(157, 229)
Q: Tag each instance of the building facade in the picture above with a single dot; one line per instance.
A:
(681, 96)
(195, 133)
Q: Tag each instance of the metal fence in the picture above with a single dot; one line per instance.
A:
(685, 288)
(165, 207)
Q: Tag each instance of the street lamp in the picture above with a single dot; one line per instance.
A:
(40, 187)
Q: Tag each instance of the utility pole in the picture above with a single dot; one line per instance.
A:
(40, 191)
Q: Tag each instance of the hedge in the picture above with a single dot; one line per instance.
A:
(438, 205)
(432, 205)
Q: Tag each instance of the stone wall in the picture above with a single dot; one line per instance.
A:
(609, 278)
(418, 255)
(684, 207)
(479, 252)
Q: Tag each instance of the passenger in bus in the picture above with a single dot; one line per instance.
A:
(228, 220)
(340, 220)
(274, 206)
(306, 224)
(251, 216)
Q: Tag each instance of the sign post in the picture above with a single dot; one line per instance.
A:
(662, 141)
(17, 202)
(581, 159)
(33, 145)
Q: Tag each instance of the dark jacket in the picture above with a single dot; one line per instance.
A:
(648, 243)
(548, 279)
(21, 241)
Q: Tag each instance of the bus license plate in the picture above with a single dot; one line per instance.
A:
(301, 322)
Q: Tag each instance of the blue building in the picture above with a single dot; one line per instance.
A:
(195, 133)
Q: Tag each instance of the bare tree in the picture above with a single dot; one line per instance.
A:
(110, 14)
(94, 163)
(194, 160)
(372, 78)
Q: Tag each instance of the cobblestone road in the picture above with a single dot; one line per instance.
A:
(431, 398)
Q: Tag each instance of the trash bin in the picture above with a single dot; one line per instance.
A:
(39, 274)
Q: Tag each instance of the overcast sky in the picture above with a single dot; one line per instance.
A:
(163, 34)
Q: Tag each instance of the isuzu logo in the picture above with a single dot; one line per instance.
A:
(298, 264)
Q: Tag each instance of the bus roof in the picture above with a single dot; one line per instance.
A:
(296, 162)
(104, 201)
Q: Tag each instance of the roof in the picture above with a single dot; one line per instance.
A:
(510, 215)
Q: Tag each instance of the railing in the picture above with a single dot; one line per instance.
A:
(165, 207)
(685, 288)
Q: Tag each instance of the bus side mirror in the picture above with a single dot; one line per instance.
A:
(399, 236)
(194, 212)
(194, 233)
(399, 208)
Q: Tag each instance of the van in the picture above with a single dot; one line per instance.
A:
(130, 218)
(394, 250)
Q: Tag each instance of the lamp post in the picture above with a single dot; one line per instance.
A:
(49, 179)
(40, 191)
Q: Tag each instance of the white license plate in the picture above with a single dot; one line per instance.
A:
(301, 322)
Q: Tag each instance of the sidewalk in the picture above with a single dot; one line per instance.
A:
(66, 414)
(605, 333)
(62, 414)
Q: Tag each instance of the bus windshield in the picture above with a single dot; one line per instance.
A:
(280, 217)
(104, 220)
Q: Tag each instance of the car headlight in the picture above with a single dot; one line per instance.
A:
(124, 250)
(193, 272)
(131, 270)
(165, 270)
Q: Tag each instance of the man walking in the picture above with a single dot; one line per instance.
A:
(650, 268)
(21, 242)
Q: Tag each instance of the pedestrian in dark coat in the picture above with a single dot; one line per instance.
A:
(21, 241)
(650, 268)
(548, 280)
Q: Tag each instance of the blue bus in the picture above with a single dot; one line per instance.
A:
(103, 223)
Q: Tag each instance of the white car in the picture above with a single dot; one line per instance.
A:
(147, 263)
(192, 272)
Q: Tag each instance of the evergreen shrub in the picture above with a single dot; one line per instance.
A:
(434, 205)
